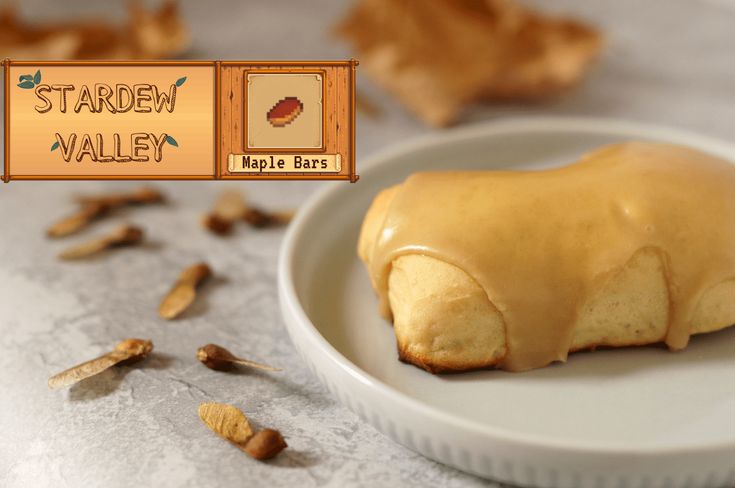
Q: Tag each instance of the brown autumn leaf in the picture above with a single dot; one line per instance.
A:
(129, 349)
(183, 292)
(218, 358)
(126, 235)
(439, 57)
(148, 34)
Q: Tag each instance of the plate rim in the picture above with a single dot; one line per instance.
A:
(291, 305)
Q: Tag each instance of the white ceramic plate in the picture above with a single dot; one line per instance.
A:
(640, 417)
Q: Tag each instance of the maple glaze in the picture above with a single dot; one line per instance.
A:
(536, 240)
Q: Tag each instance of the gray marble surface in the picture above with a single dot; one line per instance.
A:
(671, 62)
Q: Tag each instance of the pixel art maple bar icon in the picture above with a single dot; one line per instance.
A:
(285, 111)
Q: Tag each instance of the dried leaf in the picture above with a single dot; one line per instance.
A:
(148, 34)
(127, 235)
(219, 358)
(437, 58)
(226, 421)
(183, 292)
(265, 444)
(129, 349)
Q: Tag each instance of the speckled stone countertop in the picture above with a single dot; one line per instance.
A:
(671, 62)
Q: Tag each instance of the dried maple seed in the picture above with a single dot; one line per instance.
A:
(231, 207)
(226, 421)
(88, 212)
(260, 219)
(140, 196)
(231, 423)
(219, 358)
(93, 207)
(127, 235)
(127, 350)
(145, 195)
(256, 217)
(265, 444)
(217, 225)
(228, 208)
(183, 292)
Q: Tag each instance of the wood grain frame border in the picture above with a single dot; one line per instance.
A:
(351, 174)
(217, 107)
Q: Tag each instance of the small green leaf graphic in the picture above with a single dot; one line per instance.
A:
(180, 81)
(37, 77)
(26, 84)
(25, 77)
(55, 146)
(172, 141)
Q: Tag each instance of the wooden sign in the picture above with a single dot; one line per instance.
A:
(179, 120)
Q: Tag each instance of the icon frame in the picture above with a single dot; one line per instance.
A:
(284, 150)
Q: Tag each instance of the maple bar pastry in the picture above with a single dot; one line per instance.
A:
(634, 244)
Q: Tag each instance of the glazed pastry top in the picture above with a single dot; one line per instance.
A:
(538, 242)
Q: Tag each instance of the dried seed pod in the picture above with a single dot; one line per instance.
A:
(282, 217)
(231, 423)
(79, 220)
(129, 349)
(230, 205)
(140, 196)
(145, 195)
(126, 235)
(219, 358)
(265, 444)
(226, 421)
(259, 218)
(183, 292)
(97, 206)
(217, 225)
(228, 208)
